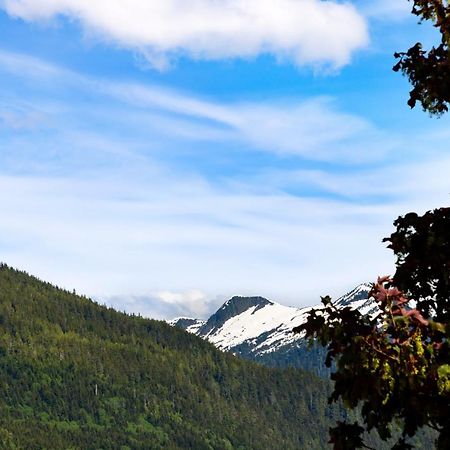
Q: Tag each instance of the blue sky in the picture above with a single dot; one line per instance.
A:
(163, 156)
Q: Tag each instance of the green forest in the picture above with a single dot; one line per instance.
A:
(78, 375)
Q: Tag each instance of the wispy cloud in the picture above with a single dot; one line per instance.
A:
(112, 193)
(182, 235)
(306, 32)
(170, 244)
(313, 128)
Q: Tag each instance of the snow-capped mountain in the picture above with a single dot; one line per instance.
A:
(260, 329)
(191, 325)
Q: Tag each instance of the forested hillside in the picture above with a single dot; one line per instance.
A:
(77, 375)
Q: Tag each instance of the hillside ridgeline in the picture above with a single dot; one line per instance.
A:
(78, 375)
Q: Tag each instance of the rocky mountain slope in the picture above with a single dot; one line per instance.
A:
(259, 329)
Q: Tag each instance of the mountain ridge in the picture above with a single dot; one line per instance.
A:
(261, 329)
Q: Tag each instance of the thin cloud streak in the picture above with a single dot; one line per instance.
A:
(314, 128)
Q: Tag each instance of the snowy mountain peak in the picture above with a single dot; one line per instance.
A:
(360, 292)
(232, 308)
(188, 324)
(359, 299)
(237, 304)
(259, 329)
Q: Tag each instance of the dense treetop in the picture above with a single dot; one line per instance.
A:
(428, 71)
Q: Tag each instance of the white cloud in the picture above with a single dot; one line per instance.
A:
(313, 128)
(306, 32)
(421, 184)
(165, 304)
(193, 302)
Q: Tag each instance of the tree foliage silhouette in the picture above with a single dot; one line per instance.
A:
(428, 71)
(395, 363)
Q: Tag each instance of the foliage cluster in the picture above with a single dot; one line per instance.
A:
(396, 364)
(429, 71)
